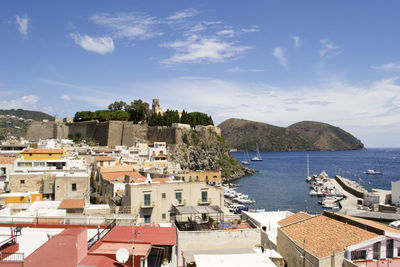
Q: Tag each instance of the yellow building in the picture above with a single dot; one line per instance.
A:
(42, 154)
(21, 197)
(210, 177)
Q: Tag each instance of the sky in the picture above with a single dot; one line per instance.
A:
(278, 62)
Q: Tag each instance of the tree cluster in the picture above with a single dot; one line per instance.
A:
(172, 116)
(138, 111)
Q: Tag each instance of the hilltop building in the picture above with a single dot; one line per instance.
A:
(156, 108)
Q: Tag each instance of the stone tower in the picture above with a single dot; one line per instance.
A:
(156, 108)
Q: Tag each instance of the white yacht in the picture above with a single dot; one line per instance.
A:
(258, 157)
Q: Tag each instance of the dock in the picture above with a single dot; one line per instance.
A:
(349, 204)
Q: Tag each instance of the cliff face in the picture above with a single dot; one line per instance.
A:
(206, 152)
(306, 135)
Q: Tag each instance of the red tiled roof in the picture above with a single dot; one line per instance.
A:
(321, 235)
(377, 225)
(161, 236)
(160, 180)
(7, 160)
(100, 261)
(120, 176)
(300, 216)
(159, 156)
(42, 151)
(110, 248)
(72, 204)
(105, 158)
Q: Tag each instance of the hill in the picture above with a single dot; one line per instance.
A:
(27, 114)
(306, 135)
(14, 122)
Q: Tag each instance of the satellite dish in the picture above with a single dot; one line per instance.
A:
(122, 255)
(175, 202)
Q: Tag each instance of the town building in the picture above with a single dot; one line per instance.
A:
(332, 239)
(154, 199)
(42, 154)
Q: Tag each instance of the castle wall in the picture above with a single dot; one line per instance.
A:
(40, 130)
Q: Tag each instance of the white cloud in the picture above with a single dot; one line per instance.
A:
(197, 49)
(227, 33)
(128, 25)
(186, 13)
(24, 102)
(329, 49)
(22, 23)
(65, 97)
(280, 56)
(101, 45)
(238, 69)
(368, 116)
(296, 40)
(393, 66)
(253, 28)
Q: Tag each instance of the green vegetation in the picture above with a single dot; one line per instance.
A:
(172, 116)
(306, 135)
(14, 122)
(138, 111)
(27, 114)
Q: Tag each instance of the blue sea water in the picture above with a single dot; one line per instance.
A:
(280, 183)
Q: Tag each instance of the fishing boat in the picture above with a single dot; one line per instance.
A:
(373, 172)
(258, 156)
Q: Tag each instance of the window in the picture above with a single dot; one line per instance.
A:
(204, 196)
(24, 164)
(359, 255)
(22, 181)
(147, 199)
(178, 196)
(164, 216)
(73, 187)
(38, 164)
(147, 219)
(164, 195)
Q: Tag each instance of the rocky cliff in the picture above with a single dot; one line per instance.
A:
(206, 152)
(306, 135)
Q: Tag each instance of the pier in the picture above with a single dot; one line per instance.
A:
(354, 193)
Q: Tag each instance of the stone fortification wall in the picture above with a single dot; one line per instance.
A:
(95, 130)
(46, 130)
(113, 133)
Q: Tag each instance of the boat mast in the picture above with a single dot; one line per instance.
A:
(308, 166)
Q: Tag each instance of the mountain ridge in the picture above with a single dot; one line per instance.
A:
(301, 136)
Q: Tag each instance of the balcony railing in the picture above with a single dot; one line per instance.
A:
(11, 257)
(206, 201)
(146, 204)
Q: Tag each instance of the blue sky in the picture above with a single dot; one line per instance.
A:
(277, 62)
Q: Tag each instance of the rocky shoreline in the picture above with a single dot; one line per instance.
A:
(239, 174)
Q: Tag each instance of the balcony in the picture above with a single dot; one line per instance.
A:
(206, 201)
(181, 203)
(147, 205)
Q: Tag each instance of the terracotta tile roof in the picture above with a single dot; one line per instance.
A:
(72, 204)
(7, 160)
(161, 236)
(120, 176)
(42, 151)
(300, 216)
(323, 235)
(159, 180)
(105, 158)
(377, 225)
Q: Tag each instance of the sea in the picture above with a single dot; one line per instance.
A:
(279, 183)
